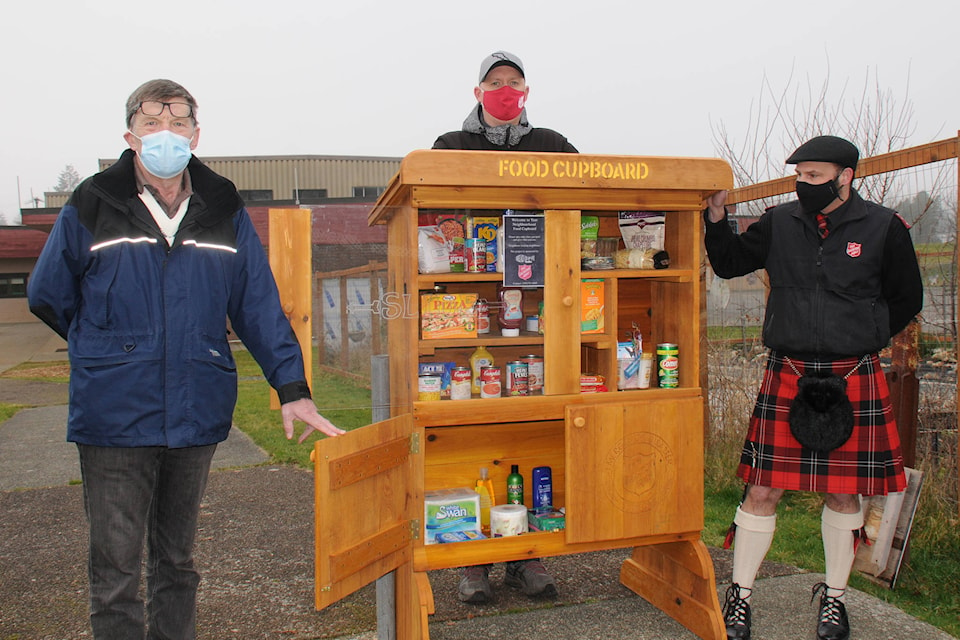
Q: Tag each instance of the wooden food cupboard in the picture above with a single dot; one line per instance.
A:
(627, 465)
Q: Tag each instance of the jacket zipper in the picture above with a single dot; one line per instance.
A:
(819, 295)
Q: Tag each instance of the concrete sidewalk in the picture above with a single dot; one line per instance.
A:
(255, 552)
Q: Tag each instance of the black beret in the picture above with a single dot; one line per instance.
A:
(826, 149)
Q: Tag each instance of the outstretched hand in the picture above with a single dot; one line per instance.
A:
(305, 411)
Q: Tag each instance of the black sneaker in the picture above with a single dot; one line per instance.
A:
(736, 613)
(531, 577)
(832, 623)
(475, 584)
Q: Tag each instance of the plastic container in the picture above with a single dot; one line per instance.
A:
(514, 485)
(542, 488)
(484, 489)
(510, 318)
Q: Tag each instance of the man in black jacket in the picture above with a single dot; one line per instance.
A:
(498, 122)
(843, 279)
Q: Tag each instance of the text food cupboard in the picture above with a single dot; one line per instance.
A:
(627, 465)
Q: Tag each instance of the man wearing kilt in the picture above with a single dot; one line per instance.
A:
(843, 279)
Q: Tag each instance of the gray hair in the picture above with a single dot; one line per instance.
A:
(159, 90)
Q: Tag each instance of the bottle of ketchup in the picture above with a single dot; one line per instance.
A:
(511, 311)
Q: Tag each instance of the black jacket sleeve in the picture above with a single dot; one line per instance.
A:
(901, 284)
(733, 255)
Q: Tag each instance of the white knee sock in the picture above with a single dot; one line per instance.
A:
(838, 531)
(753, 539)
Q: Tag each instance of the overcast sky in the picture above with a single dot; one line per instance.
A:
(385, 77)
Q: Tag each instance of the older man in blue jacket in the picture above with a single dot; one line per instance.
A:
(142, 270)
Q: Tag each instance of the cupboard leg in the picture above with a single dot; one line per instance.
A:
(678, 579)
(414, 604)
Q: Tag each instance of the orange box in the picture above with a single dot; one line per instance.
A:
(591, 306)
(448, 315)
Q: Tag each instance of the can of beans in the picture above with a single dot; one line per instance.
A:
(460, 383)
(476, 254)
(428, 386)
(489, 382)
(668, 365)
(534, 373)
(517, 381)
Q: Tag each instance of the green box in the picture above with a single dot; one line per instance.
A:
(546, 520)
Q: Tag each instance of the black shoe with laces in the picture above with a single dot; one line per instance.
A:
(832, 623)
(736, 613)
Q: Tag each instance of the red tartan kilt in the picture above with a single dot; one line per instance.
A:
(869, 463)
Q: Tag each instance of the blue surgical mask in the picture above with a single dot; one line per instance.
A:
(164, 154)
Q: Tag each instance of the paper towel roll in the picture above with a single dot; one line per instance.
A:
(508, 520)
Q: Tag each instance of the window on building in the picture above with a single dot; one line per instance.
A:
(367, 192)
(253, 195)
(733, 225)
(308, 196)
(13, 285)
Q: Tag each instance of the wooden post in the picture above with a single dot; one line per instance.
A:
(905, 388)
(290, 252)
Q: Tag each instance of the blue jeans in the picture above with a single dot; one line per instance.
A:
(129, 492)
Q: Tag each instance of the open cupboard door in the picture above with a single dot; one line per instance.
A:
(367, 505)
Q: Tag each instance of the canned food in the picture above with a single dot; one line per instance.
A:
(483, 316)
(534, 373)
(668, 365)
(517, 381)
(476, 254)
(460, 383)
(428, 386)
(489, 382)
(456, 257)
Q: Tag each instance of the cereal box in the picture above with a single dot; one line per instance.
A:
(591, 306)
(448, 315)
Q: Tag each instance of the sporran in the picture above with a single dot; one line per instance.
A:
(821, 416)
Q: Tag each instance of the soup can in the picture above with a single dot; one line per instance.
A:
(428, 386)
(668, 365)
(517, 381)
(460, 383)
(489, 382)
(476, 254)
(534, 373)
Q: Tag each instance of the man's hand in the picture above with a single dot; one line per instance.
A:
(715, 206)
(305, 411)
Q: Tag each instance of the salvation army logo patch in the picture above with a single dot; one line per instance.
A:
(524, 271)
(853, 249)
